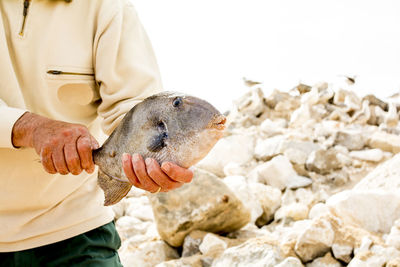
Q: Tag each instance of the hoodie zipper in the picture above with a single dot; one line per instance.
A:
(25, 14)
(59, 72)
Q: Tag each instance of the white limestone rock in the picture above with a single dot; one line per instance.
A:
(136, 192)
(288, 234)
(384, 177)
(273, 127)
(376, 256)
(342, 252)
(212, 243)
(254, 252)
(128, 226)
(279, 173)
(192, 242)
(374, 155)
(292, 212)
(266, 149)
(351, 139)
(278, 100)
(233, 168)
(347, 97)
(119, 209)
(323, 161)
(204, 204)
(301, 195)
(260, 199)
(268, 197)
(147, 254)
(385, 141)
(362, 116)
(301, 116)
(326, 261)
(290, 262)
(393, 239)
(374, 210)
(241, 189)
(192, 261)
(392, 118)
(365, 245)
(296, 156)
(251, 101)
(140, 208)
(248, 231)
(237, 148)
(318, 210)
(315, 240)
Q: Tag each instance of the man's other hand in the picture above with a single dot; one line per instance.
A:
(150, 176)
(63, 147)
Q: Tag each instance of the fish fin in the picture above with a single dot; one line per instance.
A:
(114, 190)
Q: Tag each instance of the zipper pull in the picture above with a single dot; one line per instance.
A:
(25, 13)
(55, 72)
(26, 6)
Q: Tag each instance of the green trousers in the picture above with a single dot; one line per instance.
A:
(97, 247)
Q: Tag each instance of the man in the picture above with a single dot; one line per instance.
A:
(63, 64)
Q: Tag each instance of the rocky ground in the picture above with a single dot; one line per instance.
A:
(308, 177)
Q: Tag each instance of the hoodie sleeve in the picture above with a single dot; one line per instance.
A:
(125, 66)
(8, 116)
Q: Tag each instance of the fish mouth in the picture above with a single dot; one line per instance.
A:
(218, 122)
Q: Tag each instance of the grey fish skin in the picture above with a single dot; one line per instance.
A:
(168, 126)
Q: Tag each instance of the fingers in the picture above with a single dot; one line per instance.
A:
(94, 143)
(128, 169)
(47, 161)
(139, 168)
(72, 158)
(84, 146)
(177, 173)
(149, 176)
(59, 161)
(159, 177)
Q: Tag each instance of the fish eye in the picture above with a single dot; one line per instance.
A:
(177, 102)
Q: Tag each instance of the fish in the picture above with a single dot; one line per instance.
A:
(168, 126)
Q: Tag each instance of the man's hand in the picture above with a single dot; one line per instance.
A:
(63, 147)
(149, 176)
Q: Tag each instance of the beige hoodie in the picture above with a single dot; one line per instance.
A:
(70, 61)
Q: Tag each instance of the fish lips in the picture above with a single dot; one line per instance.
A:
(218, 122)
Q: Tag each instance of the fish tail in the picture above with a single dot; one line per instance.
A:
(114, 190)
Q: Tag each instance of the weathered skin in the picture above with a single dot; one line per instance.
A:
(167, 127)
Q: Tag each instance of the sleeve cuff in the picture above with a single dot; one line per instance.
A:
(8, 118)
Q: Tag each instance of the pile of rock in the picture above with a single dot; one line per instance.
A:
(308, 177)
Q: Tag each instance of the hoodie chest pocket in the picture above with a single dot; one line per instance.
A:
(73, 85)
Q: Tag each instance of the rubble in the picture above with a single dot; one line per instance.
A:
(323, 161)
(279, 173)
(254, 252)
(205, 204)
(308, 177)
(211, 244)
(146, 254)
(325, 261)
(315, 240)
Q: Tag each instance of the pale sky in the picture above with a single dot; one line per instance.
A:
(205, 47)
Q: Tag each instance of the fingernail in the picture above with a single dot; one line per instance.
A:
(135, 157)
(125, 157)
(148, 161)
(96, 146)
(166, 167)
